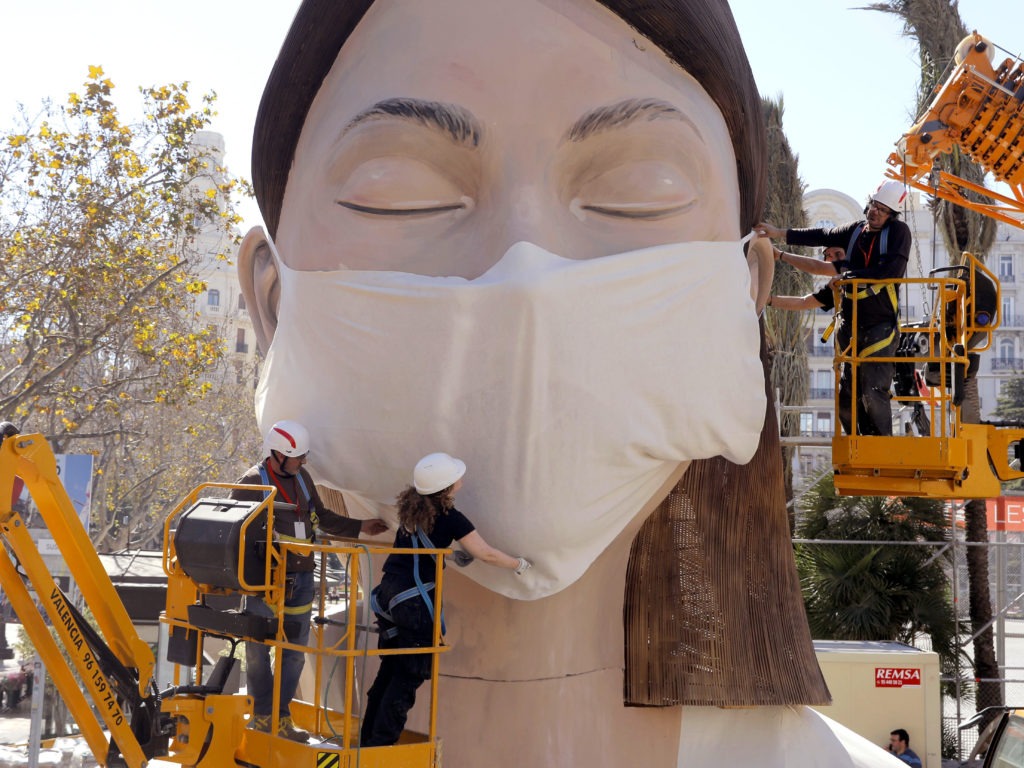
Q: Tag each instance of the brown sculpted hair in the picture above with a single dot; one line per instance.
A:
(416, 510)
(699, 35)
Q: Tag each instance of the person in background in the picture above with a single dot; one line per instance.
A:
(285, 449)
(404, 600)
(876, 248)
(899, 745)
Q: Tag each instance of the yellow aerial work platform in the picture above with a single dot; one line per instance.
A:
(978, 110)
(216, 550)
(216, 734)
(953, 459)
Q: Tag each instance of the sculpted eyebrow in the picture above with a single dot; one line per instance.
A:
(624, 113)
(458, 123)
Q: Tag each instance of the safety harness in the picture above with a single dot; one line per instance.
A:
(265, 480)
(867, 292)
(419, 539)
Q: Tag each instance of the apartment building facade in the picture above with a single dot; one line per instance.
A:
(222, 306)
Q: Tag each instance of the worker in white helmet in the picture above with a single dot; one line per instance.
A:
(285, 449)
(404, 600)
(874, 248)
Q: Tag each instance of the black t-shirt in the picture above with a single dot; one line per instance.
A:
(447, 528)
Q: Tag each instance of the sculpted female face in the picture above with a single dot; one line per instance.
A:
(482, 250)
(450, 129)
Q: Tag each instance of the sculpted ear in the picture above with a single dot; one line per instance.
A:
(761, 262)
(258, 279)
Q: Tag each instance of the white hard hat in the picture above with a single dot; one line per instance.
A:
(891, 194)
(287, 437)
(436, 472)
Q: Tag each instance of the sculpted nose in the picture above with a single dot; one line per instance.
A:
(530, 214)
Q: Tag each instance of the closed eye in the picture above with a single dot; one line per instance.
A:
(640, 190)
(424, 209)
(635, 210)
(401, 186)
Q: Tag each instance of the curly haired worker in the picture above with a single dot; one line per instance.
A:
(404, 600)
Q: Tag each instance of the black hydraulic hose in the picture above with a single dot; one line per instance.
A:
(124, 680)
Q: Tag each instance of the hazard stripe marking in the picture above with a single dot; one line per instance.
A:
(328, 760)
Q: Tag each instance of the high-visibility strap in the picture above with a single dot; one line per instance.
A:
(872, 348)
(873, 290)
(290, 610)
(827, 334)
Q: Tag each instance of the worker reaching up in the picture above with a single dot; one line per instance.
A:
(404, 601)
(285, 449)
(874, 248)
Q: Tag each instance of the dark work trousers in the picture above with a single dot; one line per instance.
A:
(394, 689)
(874, 381)
(298, 609)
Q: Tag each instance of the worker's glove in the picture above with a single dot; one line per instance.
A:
(523, 566)
(461, 558)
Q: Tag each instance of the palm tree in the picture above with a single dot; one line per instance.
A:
(786, 331)
(1010, 408)
(937, 27)
(1010, 403)
(874, 591)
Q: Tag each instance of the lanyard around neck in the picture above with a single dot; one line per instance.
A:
(277, 483)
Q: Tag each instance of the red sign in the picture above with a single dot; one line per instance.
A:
(1006, 513)
(896, 677)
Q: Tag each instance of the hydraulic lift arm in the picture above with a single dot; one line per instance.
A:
(114, 665)
(977, 110)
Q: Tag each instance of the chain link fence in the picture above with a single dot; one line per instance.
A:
(1006, 573)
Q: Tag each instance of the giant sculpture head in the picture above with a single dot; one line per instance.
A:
(512, 231)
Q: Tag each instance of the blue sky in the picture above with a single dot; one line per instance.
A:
(848, 77)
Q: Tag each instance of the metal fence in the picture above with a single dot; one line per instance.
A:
(962, 742)
(1006, 573)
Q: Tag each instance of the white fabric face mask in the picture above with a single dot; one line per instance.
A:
(571, 388)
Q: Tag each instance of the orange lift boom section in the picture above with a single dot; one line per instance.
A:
(977, 110)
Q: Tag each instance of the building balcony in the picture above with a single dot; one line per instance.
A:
(1007, 278)
(1007, 364)
(816, 433)
(241, 347)
(817, 349)
(819, 393)
(1012, 321)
